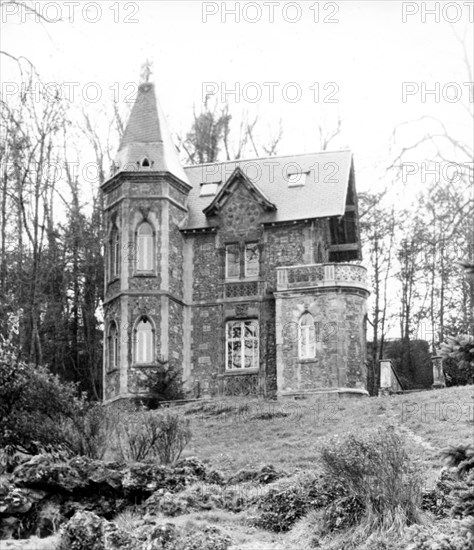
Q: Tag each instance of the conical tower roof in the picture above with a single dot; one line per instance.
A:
(146, 143)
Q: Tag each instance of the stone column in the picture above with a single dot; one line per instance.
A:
(438, 374)
(385, 366)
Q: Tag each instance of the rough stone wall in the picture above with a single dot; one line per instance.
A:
(112, 377)
(239, 221)
(268, 347)
(240, 216)
(112, 307)
(177, 196)
(340, 341)
(175, 338)
(296, 244)
(206, 347)
(175, 253)
(206, 268)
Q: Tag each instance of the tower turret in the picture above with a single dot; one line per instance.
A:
(145, 201)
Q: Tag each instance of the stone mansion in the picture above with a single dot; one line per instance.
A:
(242, 276)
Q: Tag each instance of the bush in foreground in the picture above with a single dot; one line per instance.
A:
(35, 405)
(147, 435)
(377, 472)
(289, 500)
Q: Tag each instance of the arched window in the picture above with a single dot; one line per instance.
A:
(114, 249)
(145, 248)
(146, 163)
(113, 346)
(144, 342)
(307, 339)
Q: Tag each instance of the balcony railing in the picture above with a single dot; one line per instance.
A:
(321, 275)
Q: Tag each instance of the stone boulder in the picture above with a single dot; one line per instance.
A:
(46, 491)
(18, 508)
(47, 473)
(267, 474)
(87, 531)
(69, 476)
(141, 480)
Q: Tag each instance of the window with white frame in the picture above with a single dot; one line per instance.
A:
(307, 337)
(145, 247)
(242, 345)
(113, 345)
(242, 261)
(251, 260)
(144, 342)
(232, 261)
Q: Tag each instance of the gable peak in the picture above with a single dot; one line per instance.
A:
(237, 178)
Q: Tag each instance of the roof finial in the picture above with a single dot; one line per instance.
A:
(146, 71)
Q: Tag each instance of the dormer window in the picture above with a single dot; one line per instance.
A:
(208, 189)
(296, 179)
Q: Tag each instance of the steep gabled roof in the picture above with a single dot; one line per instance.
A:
(237, 177)
(147, 137)
(325, 178)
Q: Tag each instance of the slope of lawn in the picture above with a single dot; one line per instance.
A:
(231, 434)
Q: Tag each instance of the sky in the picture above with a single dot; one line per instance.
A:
(359, 55)
(375, 64)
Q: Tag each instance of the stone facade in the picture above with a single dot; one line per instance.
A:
(337, 304)
(238, 333)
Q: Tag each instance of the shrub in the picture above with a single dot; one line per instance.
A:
(281, 508)
(287, 502)
(461, 349)
(461, 459)
(145, 435)
(439, 500)
(376, 472)
(89, 429)
(128, 521)
(34, 405)
(164, 384)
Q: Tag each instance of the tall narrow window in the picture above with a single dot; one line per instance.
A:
(232, 261)
(144, 342)
(145, 256)
(242, 345)
(113, 346)
(307, 337)
(319, 253)
(114, 257)
(251, 260)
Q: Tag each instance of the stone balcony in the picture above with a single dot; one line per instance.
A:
(299, 277)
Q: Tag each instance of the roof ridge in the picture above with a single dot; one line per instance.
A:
(269, 157)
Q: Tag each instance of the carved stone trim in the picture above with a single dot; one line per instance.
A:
(145, 211)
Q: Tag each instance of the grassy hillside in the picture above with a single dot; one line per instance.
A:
(233, 434)
(241, 433)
